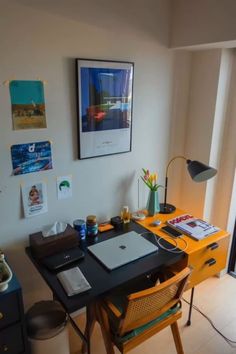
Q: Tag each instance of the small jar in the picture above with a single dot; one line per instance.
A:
(80, 227)
(92, 226)
(125, 214)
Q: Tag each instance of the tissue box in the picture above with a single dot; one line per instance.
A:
(46, 246)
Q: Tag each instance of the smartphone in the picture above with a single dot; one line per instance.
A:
(170, 231)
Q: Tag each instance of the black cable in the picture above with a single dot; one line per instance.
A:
(229, 341)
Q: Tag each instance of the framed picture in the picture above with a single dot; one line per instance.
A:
(104, 100)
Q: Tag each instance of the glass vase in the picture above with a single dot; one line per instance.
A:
(153, 205)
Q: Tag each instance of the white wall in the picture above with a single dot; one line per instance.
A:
(223, 201)
(198, 86)
(37, 43)
(217, 151)
(204, 25)
(179, 124)
(203, 21)
(203, 129)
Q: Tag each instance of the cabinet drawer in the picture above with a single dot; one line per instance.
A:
(9, 310)
(11, 340)
(207, 261)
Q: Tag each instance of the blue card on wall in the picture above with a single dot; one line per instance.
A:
(31, 157)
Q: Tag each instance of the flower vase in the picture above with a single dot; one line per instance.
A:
(153, 205)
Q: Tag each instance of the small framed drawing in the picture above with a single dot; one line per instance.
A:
(104, 101)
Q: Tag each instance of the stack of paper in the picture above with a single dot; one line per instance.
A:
(196, 228)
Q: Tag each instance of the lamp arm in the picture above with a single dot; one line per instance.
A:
(166, 177)
(198, 171)
(174, 158)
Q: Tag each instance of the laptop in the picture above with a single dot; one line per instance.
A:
(62, 259)
(121, 250)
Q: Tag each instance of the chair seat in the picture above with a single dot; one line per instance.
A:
(141, 329)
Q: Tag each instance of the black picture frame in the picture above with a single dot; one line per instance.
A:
(104, 107)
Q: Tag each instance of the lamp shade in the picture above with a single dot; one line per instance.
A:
(199, 171)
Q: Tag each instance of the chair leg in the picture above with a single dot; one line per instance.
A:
(177, 339)
(105, 328)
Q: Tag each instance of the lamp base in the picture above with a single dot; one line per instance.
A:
(166, 208)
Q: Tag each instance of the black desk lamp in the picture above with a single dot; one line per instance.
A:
(197, 170)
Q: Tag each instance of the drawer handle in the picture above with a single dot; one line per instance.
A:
(210, 262)
(213, 246)
(5, 348)
(1, 316)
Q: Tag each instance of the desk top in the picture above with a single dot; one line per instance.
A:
(102, 280)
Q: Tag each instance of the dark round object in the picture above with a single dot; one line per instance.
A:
(166, 208)
(45, 319)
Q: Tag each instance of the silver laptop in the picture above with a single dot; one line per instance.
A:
(122, 249)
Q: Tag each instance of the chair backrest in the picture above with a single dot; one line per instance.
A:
(146, 305)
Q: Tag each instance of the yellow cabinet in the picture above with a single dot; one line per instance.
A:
(206, 257)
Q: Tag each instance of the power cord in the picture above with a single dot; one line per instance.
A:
(229, 341)
(175, 249)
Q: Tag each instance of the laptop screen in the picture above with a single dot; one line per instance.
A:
(123, 249)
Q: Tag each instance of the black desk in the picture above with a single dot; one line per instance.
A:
(102, 280)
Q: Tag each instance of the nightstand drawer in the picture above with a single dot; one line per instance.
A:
(208, 261)
(9, 310)
(11, 340)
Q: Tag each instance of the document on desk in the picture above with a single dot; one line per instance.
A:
(196, 228)
(73, 281)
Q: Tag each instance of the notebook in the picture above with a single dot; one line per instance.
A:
(121, 250)
(73, 281)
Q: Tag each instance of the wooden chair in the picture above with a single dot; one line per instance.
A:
(128, 320)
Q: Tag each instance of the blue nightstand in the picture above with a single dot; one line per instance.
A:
(13, 337)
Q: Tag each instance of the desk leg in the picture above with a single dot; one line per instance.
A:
(190, 307)
(78, 331)
(90, 323)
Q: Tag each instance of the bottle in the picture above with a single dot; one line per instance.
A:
(125, 214)
(92, 226)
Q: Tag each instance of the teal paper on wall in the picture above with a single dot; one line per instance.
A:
(28, 104)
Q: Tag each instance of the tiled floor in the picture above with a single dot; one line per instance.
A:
(215, 297)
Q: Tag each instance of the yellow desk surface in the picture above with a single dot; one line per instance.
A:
(198, 253)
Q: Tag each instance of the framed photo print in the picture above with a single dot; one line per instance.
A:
(104, 100)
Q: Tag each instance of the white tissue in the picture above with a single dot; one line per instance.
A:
(54, 229)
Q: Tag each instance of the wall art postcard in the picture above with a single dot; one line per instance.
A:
(105, 91)
(64, 187)
(28, 106)
(31, 157)
(34, 199)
